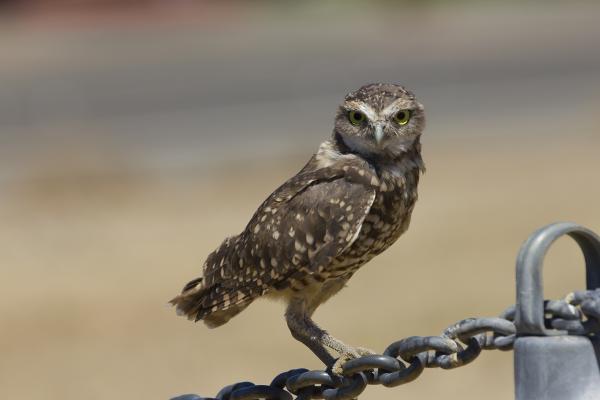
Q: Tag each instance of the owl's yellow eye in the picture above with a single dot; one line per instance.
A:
(356, 117)
(402, 117)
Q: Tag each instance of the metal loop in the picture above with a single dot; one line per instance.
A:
(281, 379)
(225, 393)
(509, 313)
(462, 357)
(504, 343)
(487, 342)
(570, 326)
(529, 317)
(191, 397)
(260, 392)
(404, 375)
(371, 362)
(591, 308)
(411, 346)
(467, 328)
(580, 296)
(561, 309)
(351, 387)
(588, 301)
(310, 378)
(309, 393)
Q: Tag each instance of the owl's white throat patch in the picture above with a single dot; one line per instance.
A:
(327, 155)
(392, 147)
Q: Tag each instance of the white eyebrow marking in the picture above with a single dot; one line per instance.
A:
(374, 116)
(397, 105)
(366, 109)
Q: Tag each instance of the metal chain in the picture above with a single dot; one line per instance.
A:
(403, 361)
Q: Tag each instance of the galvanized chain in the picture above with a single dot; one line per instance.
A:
(403, 361)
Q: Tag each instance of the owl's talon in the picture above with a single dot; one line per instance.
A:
(337, 367)
(363, 351)
(350, 354)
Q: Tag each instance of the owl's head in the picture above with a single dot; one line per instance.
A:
(379, 120)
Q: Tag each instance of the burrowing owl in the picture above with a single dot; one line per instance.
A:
(350, 202)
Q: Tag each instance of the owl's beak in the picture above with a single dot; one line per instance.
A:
(379, 133)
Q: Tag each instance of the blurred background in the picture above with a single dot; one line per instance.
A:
(135, 135)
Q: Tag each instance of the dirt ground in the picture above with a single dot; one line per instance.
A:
(90, 263)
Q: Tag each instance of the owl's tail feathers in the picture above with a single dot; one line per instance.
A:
(220, 317)
(198, 302)
(190, 300)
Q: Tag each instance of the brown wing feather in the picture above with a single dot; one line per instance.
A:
(296, 232)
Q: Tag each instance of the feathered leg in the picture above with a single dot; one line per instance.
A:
(304, 329)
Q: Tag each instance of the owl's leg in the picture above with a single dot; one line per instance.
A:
(305, 330)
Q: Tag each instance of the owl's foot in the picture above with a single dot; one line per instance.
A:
(363, 351)
(321, 343)
(349, 353)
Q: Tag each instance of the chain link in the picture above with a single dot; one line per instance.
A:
(403, 361)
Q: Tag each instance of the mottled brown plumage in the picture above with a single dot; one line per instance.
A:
(350, 202)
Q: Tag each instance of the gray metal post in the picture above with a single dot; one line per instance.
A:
(550, 364)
